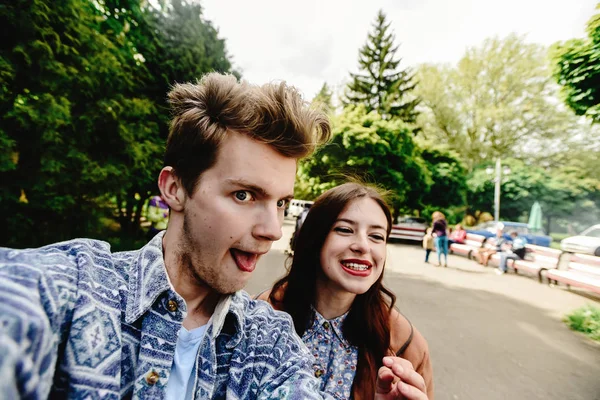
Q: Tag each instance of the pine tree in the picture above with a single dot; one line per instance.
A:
(323, 99)
(381, 85)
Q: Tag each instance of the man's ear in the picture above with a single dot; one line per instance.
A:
(171, 189)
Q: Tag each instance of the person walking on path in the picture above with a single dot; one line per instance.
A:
(440, 231)
(428, 243)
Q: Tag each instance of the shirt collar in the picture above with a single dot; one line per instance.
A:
(229, 316)
(335, 324)
(147, 279)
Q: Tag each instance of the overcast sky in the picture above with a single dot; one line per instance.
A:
(310, 42)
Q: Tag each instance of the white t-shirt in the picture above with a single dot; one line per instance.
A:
(181, 381)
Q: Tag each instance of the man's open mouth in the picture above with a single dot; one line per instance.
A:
(245, 261)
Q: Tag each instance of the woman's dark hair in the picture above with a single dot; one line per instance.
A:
(367, 325)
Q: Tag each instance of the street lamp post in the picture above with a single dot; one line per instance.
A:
(497, 182)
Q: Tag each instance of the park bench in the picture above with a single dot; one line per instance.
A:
(579, 270)
(401, 231)
(538, 259)
(470, 247)
(494, 259)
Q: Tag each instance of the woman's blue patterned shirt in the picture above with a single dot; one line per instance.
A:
(335, 359)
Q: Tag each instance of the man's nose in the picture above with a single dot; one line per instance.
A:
(268, 226)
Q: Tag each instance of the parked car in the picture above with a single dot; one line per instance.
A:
(296, 206)
(489, 229)
(588, 242)
(409, 228)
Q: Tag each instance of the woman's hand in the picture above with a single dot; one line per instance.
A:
(397, 379)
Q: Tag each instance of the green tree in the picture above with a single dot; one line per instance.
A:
(381, 85)
(577, 70)
(562, 193)
(449, 189)
(498, 101)
(175, 44)
(367, 146)
(323, 99)
(67, 104)
(84, 118)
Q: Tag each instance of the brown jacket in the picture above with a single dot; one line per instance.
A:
(405, 341)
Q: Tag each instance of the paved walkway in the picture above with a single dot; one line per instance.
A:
(491, 337)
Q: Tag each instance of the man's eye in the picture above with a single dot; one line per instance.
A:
(243, 195)
(281, 204)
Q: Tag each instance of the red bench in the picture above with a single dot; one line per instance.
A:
(579, 270)
(470, 247)
(538, 259)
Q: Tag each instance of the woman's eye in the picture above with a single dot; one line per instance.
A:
(378, 237)
(342, 229)
(243, 195)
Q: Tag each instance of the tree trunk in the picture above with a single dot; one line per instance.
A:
(138, 213)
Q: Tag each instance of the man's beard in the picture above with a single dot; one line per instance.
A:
(192, 267)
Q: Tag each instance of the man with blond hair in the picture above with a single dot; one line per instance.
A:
(170, 320)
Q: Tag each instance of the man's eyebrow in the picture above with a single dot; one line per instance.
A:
(349, 221)
(247, 185)
(254, 188)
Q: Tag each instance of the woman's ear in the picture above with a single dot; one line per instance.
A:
(171, 189)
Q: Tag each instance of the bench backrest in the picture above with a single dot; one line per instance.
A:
(585, 268)
(547, 252)
(585, 259)
(545, 261)
(582, 263)
(474, 240)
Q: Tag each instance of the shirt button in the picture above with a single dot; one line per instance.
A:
(172, 305)
(152, 377)
(318, 373)
(326, 325)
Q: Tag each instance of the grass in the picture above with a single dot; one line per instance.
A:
(585, 320)
(557, 237)
(555, 245)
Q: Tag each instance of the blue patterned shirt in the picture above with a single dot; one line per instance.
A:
(80, 322)
(335, 359)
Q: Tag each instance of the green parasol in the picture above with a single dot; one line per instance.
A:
(535, 217)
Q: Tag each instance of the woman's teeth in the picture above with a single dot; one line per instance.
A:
(356, 267)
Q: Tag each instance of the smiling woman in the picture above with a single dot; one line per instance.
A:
(335, 295)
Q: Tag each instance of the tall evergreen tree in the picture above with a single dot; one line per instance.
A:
(323, 99)
(381, 85)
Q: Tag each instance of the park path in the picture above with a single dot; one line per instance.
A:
(491, 337)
